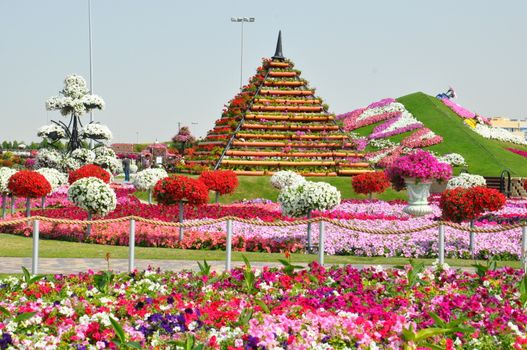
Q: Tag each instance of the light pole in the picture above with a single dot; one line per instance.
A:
(91, 62)
(242, 20)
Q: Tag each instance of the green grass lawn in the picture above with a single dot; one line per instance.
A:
(485, 157)
(18, 246)
(260, 187)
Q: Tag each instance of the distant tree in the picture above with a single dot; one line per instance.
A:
(183, 139)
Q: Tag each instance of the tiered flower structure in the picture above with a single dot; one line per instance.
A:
(74, 101)
(392, 119)
(276, 123)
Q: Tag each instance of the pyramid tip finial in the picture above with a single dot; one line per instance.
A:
(278, 55)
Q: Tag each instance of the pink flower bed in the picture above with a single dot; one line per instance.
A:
(518, 152)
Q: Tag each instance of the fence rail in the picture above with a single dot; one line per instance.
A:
(230, 219)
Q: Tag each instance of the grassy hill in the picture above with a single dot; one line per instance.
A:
(485, 157)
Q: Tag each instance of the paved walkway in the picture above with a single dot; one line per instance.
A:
(74, 265)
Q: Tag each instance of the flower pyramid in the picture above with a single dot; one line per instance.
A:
(278, 123)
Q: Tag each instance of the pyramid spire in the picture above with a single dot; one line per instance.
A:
(278, 55)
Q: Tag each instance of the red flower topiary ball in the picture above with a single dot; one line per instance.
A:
(28, 184)
(89, 170)
(172, 190)
(464, 204)
(221, 181)
(374, 182)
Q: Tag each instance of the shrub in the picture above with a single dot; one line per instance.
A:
(89, 170)
(28, 184)
(368, 183)
(308, 196)
(286, 178)
(172, 190)
(145, 180)
(464, 204)
(220, 181)
(93, 195)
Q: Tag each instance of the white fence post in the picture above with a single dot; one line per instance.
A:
(181, 212)
(441, 247)
(34, 261)
(309, 239)
(228, 246)
(131, 246)
(321, 238)
(524, 248)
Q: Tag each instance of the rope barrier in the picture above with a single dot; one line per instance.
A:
(189, 224)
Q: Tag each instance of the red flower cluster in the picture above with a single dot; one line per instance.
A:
(375, 182)
(28, 184)
(463, 204)
(172, 190)
(89, 170)
(221, 181)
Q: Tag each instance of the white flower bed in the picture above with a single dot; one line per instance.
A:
(390, 108)
(68, 164)
(5, 174)
(285, 178)
(52, 132)
(96, 131)
(93, 195)
(454, 159)
(308, 196)
(145, 180)
(54, 177)
(466, 181)
(382, 143)
(490, 132)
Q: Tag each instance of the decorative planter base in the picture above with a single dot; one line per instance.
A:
(417, 197)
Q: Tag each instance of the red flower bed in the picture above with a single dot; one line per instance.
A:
(172, 190)
(463, 204)
(221, 181)
(376, 182)
(89, 170)
(28, 184)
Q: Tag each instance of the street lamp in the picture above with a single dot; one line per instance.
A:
(242, 20)
(91, 62)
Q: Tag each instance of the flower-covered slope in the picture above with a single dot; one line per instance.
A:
(387, 130)
(277, 122)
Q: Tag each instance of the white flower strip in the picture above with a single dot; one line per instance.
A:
(490, 132)
(5, 174)
(466, 181)
(54, 177)
(453, 159)
(392, 107)
(93, 195)
(145, 180)
(404, 120)
(285, 178)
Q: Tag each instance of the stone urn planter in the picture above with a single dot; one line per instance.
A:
(438, 187)
(418, 192)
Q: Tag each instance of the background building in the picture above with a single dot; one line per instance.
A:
(516, 126)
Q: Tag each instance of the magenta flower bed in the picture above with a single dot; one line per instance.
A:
(518, 152)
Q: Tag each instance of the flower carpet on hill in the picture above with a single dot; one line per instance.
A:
(337, 308)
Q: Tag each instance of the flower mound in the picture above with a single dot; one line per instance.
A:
(466, 181)
(93, 195)
(316, 308)
(145, 180)
(462, 204)
(420, 165)
(221, 181)
(308, 196)
(28, 184)
(5, 174)
(286, 178)
(375, 182)
(172, 190)
(90, 170)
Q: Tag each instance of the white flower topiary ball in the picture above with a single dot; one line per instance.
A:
(93, 195)
(308, 196)
(285, 178)
(145, 180)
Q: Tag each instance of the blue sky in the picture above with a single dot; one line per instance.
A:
(157, 63)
